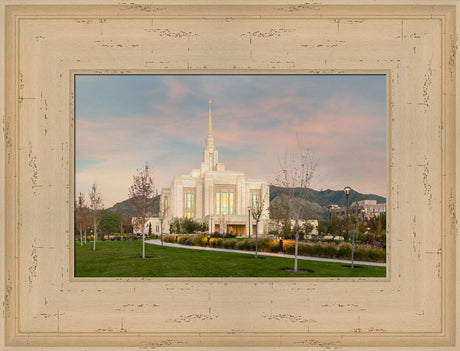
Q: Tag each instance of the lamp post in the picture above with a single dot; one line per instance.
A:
(347, 195)
(161, 230)
(249, 222)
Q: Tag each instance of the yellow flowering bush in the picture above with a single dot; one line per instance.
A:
(289, 247)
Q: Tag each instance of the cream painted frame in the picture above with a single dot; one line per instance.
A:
(414, 42)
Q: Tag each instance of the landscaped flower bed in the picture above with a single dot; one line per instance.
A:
(318, 249)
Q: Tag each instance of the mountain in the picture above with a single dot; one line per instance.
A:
(127, 209)
(316, 203)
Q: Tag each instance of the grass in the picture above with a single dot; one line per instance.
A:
(124, 259)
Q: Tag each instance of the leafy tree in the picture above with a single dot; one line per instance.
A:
(140, 194)
(307, 227)
(96, 207)
(128, 225)
(110, 222)
(295, 176)
(324, 227)
(186, 226)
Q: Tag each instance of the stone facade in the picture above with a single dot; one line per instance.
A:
(219, 197)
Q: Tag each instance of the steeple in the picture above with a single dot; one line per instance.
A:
(210, 155)
(209, 120)
(210, 139)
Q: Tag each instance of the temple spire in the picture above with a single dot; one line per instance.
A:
(209, 120)
(210, 154)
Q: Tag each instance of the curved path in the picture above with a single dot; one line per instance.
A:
(158, 242)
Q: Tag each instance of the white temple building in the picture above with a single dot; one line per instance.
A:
(219, 197)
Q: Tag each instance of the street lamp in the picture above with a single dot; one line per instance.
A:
(249, 221)
(347, 195)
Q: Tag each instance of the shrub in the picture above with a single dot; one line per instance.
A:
(305, 249)
(264, 244)
(316, 250)
(274, 246)
(289, 247)
(186, 226)
(360, 253)
(376, 254)
(247, 244)
(229, 243)
(219, 235)
(344, 251)
(215, 242)
(186, 240)
(200, 240)
(330, 250)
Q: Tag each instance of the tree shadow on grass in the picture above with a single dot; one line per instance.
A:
(349, 266)
(299, 271)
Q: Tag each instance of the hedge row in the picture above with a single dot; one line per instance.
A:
(318, 249)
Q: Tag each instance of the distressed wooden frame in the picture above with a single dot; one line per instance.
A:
(47, 42)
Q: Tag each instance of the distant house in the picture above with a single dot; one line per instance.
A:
(371, 209)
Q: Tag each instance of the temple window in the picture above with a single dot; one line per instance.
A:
(189, 203)
(254, 199)
(225, 200)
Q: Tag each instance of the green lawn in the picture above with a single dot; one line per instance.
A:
(124, 259)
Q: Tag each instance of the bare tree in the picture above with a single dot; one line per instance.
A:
(86, 221)
(96, 206)
(258, 211)
(140, 194)
(279, 214)
(163, 212)
(81, 214)
(295, 176)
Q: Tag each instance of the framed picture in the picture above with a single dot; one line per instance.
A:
(223, 180)
(44, 305)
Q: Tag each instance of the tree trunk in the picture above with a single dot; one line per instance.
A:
(257, 222)
(143, 241)
(95, 234)
(121, 229)
(296, 243)
(161, 233)
(86, 233)
(81, 236)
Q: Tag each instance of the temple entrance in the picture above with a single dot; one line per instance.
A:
(236, 229)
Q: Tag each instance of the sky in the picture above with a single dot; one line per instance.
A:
(124, 121)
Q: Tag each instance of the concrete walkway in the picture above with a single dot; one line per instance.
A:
(158, 242)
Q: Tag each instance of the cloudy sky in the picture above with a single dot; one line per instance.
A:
(123, 121)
